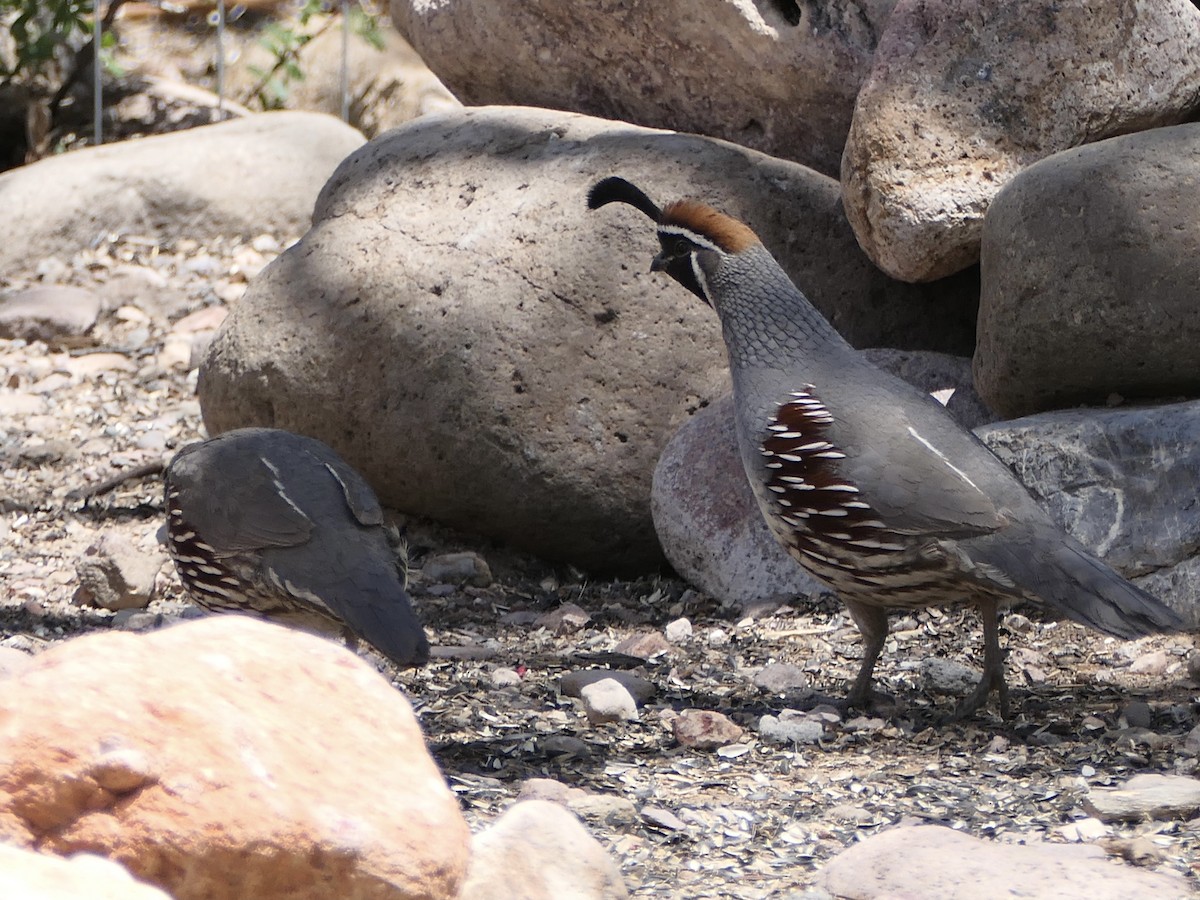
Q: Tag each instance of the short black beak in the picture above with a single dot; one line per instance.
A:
(659, 263)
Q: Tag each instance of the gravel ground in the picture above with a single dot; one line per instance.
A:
(753, 819)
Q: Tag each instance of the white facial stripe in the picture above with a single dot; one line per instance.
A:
(701, 280)
(688, 234)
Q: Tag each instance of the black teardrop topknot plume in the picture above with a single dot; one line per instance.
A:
(617, 190)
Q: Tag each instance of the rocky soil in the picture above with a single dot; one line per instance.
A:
(87, 409)
(752, 818)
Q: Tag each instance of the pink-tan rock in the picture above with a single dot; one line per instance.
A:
(228, 758)
(936, 863)
(704, 729)
(963, 94)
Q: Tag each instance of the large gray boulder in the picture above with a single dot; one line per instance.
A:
(235, 178)
(488, 353)
(963, 94)
(1122, 481)
(1091, 267)
(777, 77)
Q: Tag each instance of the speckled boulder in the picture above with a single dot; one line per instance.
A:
(487, 352)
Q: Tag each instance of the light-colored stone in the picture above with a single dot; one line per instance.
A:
(948, 676)
(1148, 796)
(936, 863)
(549, 789)
(607, 700)
(228, 758)
(782, 678)
(28, 875)
(791, 727)
(235, 178)
(573, 683)
(1090, 261)
(114, 574)
(677, 631)
(962, 94)
(1123, 482)
(604, 809)
(538, 850)
(12, 660)
(648, 645)
(51, 313)
(502, 356)
(466, 566)
(780, 78)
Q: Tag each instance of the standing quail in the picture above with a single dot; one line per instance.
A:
(865, 480)
(272, 523)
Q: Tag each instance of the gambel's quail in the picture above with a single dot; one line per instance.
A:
(276, 524)
(867, 481)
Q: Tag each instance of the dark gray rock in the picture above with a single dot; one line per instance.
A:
(1122, 481)
(1090, 267)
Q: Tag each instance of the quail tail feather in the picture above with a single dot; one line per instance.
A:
(1057, 570)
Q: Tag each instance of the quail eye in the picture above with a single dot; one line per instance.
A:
(681, 247)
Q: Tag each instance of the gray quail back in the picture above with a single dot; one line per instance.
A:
(865, 480)
(275, 524)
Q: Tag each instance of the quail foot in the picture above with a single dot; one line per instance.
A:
(865, 480)
(275, 524)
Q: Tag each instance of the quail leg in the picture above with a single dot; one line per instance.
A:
(993, 667)
(872, 624)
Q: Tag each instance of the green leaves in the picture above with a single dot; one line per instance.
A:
(39, 28)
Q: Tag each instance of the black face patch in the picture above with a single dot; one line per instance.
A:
(680, 258)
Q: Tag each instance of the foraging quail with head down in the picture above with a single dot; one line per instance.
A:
(865, 480)
(272, 523)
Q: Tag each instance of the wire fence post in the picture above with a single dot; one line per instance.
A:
(97, 71)
(344, 77)
(220, 59)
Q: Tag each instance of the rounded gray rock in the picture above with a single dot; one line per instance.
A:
(1090, 264)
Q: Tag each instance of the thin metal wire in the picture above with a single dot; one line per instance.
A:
(220, 59)
(97, 70)
(345, 73)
